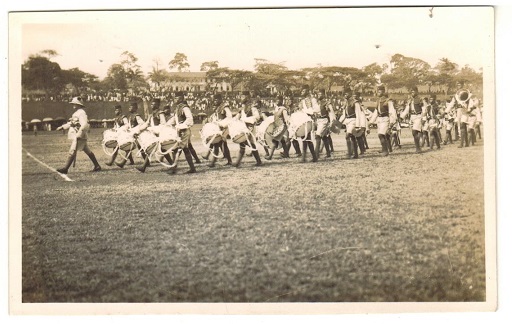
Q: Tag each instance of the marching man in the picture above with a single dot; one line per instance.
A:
(310, 106)
(464, 106)
(183, 121)
(385, 116)
(78, 128)
(416, 108)
(120, 123)
(354, 120)
(324, 118)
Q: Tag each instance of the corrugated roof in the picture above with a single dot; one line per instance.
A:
(188, 74)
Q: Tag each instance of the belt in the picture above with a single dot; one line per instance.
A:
(384, 115)
(323, 117)
(351, 116)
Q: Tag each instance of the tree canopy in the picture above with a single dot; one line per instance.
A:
(39, 72)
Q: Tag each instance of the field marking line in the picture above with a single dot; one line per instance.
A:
(343, 248)
(65, 177)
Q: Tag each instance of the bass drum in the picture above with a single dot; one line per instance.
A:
(109, 138)
(148, 141)
(267, 131)
(238, 131)
(210, 134)
(168, 136)
(300, 124)
(125, 141)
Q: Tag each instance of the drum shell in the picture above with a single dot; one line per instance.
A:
(300, 124)
(211, 133)
(110, 138)
(168, 137)
(125, 140)
(238, 131)
(147, 140)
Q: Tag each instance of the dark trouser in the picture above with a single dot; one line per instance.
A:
(353, 141)
(308, 144)
(241, 153)
(384, 144)
(463, 135)
(193, 153)
(435, 137)
(416, 135)
(296, 146)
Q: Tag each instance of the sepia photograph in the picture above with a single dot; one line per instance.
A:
(272, 160)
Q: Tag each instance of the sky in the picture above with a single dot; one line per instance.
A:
(298, 38)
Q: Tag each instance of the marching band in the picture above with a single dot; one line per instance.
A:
(166, 134)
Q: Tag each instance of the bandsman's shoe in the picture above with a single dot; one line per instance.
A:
(191, 171)
(121, 165)
(109, 163)
(267, 157)
(96, 169)
(63, 171)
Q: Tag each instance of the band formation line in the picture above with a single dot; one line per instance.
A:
(306, 124)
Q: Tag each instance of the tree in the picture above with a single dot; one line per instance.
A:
(116, 78)
(472, 78)
(374, 72)
(407, 71)
(179, 62)
(39, 73)
(157, 75)
(208, 66)
(216, 76)
(268, 75)
(79, 80)
(445, 66)
(132, 71)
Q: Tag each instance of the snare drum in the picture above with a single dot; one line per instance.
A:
(210, 134)
(147, 141)
(109, 138)
(300, 124)
(125, 140)
(238, 131)
(168, 136)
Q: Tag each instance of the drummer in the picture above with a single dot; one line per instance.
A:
(250, 115)
(222, 115)
(154, 121)
(134, 120)
(323, 120)
(292, 107)
(310, 106)
(353, 119)
(280, 121)
(183, 121)
(120, 123)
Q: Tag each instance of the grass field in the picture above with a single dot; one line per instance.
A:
(408, 227)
